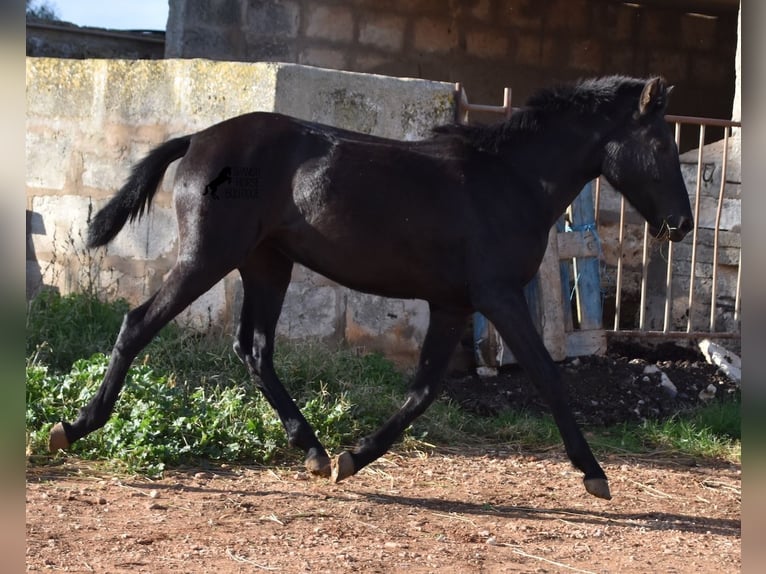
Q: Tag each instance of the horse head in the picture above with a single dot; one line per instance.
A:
(641, 161)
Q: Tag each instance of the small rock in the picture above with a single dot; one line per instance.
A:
(154, 494)
(708, 393)
(729, 363)
(668, 386)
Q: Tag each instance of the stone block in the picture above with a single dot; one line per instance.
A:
(310, 311)
(64, 224)
(395, 326)
(49, 158)
(385, 32)
(486, 44)
(522, 14)
(330, 22)
(567, 15)
(62, 88)
(138, 92)
(528, 49)
(324, 58)
(435, 36)
(390, 107)
(154, 235)
(206, 312)
(586, 55)
(249, 88)
(272, 18)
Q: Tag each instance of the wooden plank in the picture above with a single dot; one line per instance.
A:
(573, 245)
(581, 343)
(544, 298)
(553, 313)
(565, 273)
(587, 280)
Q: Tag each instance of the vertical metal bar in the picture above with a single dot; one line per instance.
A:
(669, 268)
(719, 209)
(618, 293)
(507, 103)
(696, 225)
(644, 278)
(596, 200)
(739, 279)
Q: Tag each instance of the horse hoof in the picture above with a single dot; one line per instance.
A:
(319, 465)
(342, 466)
(598, 487)
(57, 439)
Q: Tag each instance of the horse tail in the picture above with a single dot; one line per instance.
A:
(137, 193)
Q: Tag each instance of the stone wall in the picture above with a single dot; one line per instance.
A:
(485, 44)
(88, 121)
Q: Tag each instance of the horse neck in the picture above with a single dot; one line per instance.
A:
(563, 159)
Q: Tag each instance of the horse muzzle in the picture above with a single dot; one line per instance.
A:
(672, 230)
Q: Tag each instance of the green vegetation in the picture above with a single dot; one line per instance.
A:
(187, 399)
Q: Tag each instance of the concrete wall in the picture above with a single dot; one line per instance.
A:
(88, 121)
(485, 44)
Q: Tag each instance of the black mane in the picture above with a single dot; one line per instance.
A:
(603, 96)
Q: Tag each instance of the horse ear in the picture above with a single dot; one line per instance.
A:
(654, 96)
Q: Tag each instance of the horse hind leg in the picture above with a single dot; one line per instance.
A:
(184, 284)
(265, 278)
(444, 331)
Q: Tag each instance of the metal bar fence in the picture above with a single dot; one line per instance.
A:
(671, 326)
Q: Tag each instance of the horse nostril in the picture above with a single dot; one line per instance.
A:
(685, 224)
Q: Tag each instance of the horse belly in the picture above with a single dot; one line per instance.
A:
(365, 258)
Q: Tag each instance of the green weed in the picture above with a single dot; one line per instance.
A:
(187, 399)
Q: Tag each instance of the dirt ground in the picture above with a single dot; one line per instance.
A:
(451, 510)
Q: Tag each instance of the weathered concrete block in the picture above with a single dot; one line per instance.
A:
(48, 158)
(269, 18)
(207, 312)
(389, 107)
(64, 221)
(140, 92)
(324, 58)
(486, 44)
(435, 36)
(731, 213)
(382, 32)
(310, 311)
(244, 87)
(330, 22)
(154, 235)
(61, 88)
(395, 326)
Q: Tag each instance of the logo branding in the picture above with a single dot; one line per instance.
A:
(233, 183)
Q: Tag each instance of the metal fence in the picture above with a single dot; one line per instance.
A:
(645, 288)
(696, 303)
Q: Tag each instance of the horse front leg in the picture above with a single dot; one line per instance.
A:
(265, 279)
(444, 331)
(508, 311)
